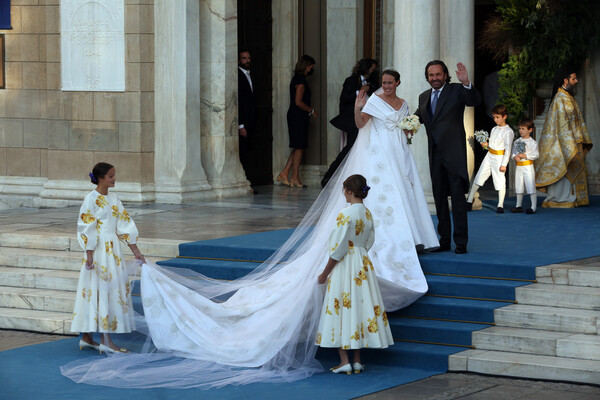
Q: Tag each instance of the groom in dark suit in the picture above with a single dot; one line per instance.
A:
(441, 110)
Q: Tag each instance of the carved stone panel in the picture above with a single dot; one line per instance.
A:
(93, 45)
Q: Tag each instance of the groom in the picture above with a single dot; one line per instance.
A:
(441, 110)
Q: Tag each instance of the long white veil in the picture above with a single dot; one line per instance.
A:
(261, 327)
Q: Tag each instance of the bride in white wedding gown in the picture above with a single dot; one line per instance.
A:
(261, 327)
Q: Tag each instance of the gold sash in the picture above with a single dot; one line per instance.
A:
(524, 163)
(496, 152)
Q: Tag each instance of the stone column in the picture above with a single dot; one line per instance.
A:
(285, 55)
(178, 172)
(457, 44)
(218, 98)
(343, 50)
(416, 37)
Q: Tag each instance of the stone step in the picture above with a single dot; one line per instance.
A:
(548, 318)
(37, 299)
(36, 321)
(41, 258)
(48, 241)
(39, 278)
(526, 366)
(535, 341)
(568, 274)
(564, 296)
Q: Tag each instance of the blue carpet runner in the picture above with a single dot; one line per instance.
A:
(464, 290)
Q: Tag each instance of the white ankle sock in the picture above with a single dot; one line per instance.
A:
(519, 199)
(533, 198)
(472, 192)
(501, 194)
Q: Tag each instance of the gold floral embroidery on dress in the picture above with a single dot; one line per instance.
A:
(109, 247)
(124, 237)
(342, 220)
(362, 330)
(84, 238)
(123, 303)
(117, 259)
(105, 275)
(358, 281)
(332, 335)
(318, 338)
(115, 212)
(367, 263)
(346, 300)
(372, 328)
(361, 277)
(345, 347)
(385, 319)
(334, 247)
(87, 217)
(109, 325)
(127, 289)
(377, 311)
(359, 227)
(369, 216)
(356, 335)
(328, 284)
(328, 311)
(125, 216)
(336, 305)
(101, 201)
(98, 225)
(350, 247)
(86, 294)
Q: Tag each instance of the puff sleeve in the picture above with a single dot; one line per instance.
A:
(87, 233)
(127, 232)
(339, 237)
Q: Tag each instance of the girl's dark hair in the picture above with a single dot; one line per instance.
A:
(500, 109)
(527, 123)
(304, 62)
(357, 184)
(393, 73)
(99, 171)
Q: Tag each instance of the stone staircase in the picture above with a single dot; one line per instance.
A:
(39, 274)
(553, 332)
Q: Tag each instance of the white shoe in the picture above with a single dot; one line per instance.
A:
(105, 349)
(86, 345)
(358, 368)
(344, 368)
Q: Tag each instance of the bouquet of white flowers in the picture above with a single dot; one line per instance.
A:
(410, 125)
(520, 146)
(482, 136)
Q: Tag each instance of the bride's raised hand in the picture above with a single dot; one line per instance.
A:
(361, 100)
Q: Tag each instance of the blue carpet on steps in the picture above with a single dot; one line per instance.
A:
(463, 292)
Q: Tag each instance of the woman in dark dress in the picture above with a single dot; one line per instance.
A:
(298, 116)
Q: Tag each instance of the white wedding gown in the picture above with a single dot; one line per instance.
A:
(262, 327)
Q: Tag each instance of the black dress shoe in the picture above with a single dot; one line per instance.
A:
(469, 206)
(500, 210)
(516, 210)
(460, 249)
(443, 247)
(530, 211)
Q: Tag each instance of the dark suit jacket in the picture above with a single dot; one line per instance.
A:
(246, 103)
(446, 128)
(345, 119)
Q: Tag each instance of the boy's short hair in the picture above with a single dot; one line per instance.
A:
(500, 109)
(527, 123)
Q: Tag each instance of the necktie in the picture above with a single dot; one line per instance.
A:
(436, 93)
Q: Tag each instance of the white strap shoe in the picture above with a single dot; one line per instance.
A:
(344, 368)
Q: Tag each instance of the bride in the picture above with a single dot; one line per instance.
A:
(261, 327)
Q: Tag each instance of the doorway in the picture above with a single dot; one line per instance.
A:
(254, 34)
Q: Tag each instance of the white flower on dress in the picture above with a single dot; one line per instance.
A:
(388, 219)
(389, 211)
(388, 188)
(382, 198)
(375, 180)
(406, 245)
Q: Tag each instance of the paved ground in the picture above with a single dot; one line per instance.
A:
(273, 208)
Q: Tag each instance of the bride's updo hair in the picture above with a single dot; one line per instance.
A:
(392, 72)
(357, 184)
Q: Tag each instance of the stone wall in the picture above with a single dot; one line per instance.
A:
(50, 139)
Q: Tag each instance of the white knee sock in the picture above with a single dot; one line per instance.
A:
(501, 194)
(519, 199)
(472, 192)
(533, 198)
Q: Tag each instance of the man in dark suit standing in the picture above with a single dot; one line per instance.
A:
(363, 78)
(246, 107)
(441, 110)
